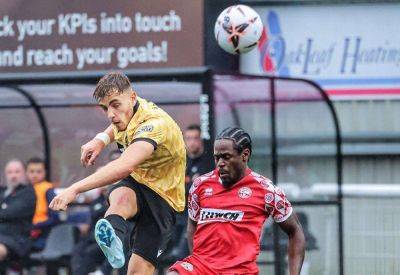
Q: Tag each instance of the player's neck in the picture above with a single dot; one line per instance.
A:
(135, 107)
(196, 154)
(242, 176)
(244, 173)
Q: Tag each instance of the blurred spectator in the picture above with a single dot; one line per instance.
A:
(87, 254)
(197, 163)
(17, 205)
(44, 218)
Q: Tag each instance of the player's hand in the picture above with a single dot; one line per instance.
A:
(90, 151)
(61, 201)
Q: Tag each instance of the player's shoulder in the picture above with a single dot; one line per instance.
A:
(205, 179)
(262, 181)
(149, 110)
(147, 122)
(149, 113)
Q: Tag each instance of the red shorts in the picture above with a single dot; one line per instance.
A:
(191, 266)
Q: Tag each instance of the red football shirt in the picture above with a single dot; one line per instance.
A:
(230, 221)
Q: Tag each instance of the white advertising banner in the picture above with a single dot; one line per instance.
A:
(352, 51)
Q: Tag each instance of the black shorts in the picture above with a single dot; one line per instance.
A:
(152, 226)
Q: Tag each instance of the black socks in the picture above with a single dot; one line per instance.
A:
(119, 224)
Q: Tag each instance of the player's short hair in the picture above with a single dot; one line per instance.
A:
(241, 139)
(36, 160)
(110, 83)
(193, 127)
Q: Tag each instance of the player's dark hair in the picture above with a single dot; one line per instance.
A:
(35, 160)
(193, 127)
(111, 82)
(241, 139)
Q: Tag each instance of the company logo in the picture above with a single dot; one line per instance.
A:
(272, 47)
(187, 266)
(145, 128)
(208, 192)
(219, 215)
(244, 192)
(269, 197)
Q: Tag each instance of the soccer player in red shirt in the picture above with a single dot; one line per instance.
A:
(227, 210)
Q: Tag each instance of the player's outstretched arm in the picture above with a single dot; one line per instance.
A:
(191, 228)
(91, 150)
(135, 154)
(296, 249)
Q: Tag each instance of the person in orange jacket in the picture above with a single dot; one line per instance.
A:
(44, 218)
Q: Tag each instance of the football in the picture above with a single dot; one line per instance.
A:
(238, 29)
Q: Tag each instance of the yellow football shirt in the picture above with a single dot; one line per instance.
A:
(164, 171)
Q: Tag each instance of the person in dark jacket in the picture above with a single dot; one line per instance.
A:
(17, 206)
(198, 162)
(87, 255)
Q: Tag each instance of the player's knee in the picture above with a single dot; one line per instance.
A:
(123, 202)
(122, 196)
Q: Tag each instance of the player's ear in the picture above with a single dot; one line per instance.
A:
(246, 155)
(133, 95)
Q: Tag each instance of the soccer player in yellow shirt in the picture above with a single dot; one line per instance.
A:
(150, 171)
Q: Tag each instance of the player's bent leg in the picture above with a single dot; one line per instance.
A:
(123, 202)
(110, 231)
(139, 266)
